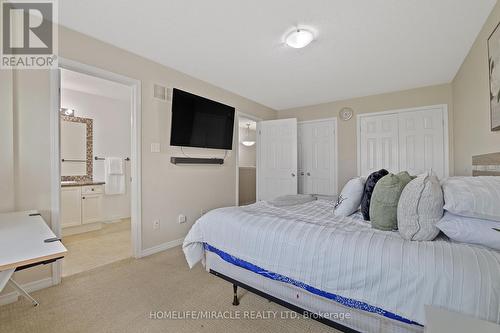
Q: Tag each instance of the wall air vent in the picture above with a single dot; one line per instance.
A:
(161, 93)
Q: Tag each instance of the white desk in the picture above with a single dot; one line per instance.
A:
(22, 245)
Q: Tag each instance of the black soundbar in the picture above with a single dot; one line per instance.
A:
(193, 160)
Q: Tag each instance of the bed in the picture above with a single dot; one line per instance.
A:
(305, 258)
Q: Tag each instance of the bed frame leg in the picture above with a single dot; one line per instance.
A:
(235, 295)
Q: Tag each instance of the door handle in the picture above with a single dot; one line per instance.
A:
(293, 175)
(302, 173)
(308, 173)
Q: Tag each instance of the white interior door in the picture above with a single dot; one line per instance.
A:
(421, 141)
(317, 158)
(303, 155)
(277, 158)
(379, 144)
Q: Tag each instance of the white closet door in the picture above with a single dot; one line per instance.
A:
(421, 141)
(379, 144)
(303, 135)
(277, 160)
(317, 158)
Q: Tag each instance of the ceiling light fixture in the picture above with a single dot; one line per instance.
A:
(248, 142)
(68, 112)
(299, 38)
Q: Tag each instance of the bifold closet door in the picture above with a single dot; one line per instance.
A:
(277, 158)
(412, 141)
(421, 142)
(316, 165)
(379, 144)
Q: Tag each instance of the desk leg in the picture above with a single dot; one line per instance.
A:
(23, 292)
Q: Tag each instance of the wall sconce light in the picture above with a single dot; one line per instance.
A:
(68, 112)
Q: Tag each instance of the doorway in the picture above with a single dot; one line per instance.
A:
(97, 150)
(247, 160)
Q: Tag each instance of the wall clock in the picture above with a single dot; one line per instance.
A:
(346, 113)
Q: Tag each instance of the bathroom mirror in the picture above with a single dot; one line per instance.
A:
(76, 149)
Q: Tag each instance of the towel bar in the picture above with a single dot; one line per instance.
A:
(102, 158)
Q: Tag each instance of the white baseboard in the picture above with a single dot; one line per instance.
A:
(115, 219)
(68, 231)
(29, 287)
(161, 247)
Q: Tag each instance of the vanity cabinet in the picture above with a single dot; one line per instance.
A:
(91, 204)
(71, 206)
(81, 205)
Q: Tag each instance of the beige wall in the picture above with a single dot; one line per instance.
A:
(167, 190)
(247, 185)
(347, 145)
(31, 152)
(471, 103)
(6, 143)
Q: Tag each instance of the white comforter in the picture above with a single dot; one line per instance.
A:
(345, 256)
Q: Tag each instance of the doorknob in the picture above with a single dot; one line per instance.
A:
(308, 173)
(293, 175)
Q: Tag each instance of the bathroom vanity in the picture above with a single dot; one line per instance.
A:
(81, 196)
(81, 205)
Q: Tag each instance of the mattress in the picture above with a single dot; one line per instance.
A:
(346, 261)
(358, 320)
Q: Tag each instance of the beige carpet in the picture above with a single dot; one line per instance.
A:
(93, 249)
(119, 298)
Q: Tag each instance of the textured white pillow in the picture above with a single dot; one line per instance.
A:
(420, 207)
(471, 230)
(477, 197)
(350, 197)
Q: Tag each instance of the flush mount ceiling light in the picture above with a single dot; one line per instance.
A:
(299, 38)
(248, 141)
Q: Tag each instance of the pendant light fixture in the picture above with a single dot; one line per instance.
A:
(247, 141)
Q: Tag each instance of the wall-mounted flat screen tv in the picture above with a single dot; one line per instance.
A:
(200, 122)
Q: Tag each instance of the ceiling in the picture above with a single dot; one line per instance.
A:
(362, 47)
(93, 85)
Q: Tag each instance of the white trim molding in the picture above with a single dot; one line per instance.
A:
(136, 135)
(237, 124)
(161, 247)
(55, 166)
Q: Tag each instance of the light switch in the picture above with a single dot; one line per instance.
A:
(155, 147)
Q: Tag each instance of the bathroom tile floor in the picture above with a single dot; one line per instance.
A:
(97, 248)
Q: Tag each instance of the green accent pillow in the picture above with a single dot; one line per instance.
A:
(385, 197)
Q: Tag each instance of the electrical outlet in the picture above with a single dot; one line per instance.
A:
(156, 224)
(182, 218)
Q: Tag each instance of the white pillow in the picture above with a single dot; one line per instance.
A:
(477, 197)
(350, 197)
(470, 230)
(420, 207)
